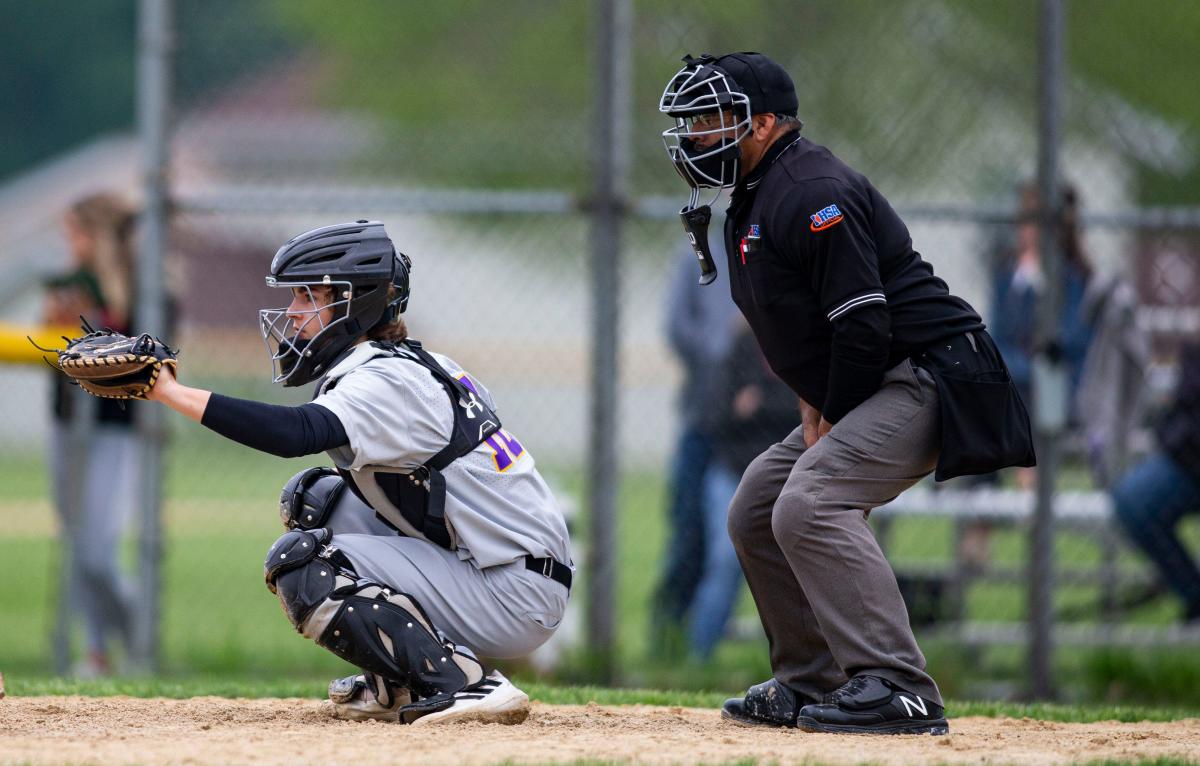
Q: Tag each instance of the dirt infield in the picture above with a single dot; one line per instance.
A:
(212, 730)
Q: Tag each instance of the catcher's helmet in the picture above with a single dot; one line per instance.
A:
(359, 262)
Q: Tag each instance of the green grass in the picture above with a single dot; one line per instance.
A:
(220, 624)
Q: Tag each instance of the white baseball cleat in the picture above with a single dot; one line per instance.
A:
(492, 700)
(358, 698)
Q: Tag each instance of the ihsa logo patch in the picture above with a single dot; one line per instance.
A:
(825, 218)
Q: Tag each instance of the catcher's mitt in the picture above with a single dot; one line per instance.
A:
(115, 366)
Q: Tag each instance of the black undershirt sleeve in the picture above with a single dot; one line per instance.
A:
(858, 360)
(277, 429)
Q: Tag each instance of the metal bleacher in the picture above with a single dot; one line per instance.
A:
(1086, 513)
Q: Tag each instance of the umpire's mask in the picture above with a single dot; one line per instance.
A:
(711, 116)
(712, 99)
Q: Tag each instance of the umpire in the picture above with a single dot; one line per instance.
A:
(896, 377)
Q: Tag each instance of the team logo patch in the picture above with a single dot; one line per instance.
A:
(823, 219)
(754, 232)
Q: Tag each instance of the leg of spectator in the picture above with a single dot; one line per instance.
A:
(108, 592)
(722, 580)
(69, 601)
(1149, 502)
(685, 533)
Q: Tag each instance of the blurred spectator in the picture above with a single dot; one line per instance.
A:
(1110, 402)
(749, 409)
(98, 286)
(1019, 284)
(699, 326)
(1152, 498)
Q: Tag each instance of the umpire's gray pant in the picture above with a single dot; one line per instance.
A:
(825, 594)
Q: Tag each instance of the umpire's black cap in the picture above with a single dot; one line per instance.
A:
(768, 86)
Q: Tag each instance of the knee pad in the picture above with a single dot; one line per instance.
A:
(297, 573)
(373, 627)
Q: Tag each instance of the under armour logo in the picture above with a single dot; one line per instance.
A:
(910, 704)
(470, 404)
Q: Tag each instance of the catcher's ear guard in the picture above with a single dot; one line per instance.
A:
(695, 223)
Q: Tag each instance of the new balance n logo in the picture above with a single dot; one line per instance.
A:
(911, 703)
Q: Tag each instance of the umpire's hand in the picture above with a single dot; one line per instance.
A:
(810, 416)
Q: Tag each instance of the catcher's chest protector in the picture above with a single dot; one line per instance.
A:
(420, 496)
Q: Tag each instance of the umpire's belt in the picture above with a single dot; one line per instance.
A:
(555, 570)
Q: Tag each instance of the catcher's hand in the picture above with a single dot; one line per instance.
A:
(114, 366)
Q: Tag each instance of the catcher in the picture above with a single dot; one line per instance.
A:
(448, 546)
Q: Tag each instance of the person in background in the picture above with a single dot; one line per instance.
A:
(1111, 401)
(1019, 285)
(98, 285)
(748, 410)
(1154, 496)
(700, 322)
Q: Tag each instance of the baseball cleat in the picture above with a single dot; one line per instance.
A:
(353, 698)
(492, 700)
(767, 704)
(873, 705)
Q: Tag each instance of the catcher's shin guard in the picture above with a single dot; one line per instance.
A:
(377, 629)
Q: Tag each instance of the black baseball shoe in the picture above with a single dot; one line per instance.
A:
(767, 704)
(873, 705)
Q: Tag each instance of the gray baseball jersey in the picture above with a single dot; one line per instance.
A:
(397, 416)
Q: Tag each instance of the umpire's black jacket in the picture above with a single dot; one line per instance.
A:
(825, 273)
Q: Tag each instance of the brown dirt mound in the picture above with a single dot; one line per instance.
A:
(212, 730)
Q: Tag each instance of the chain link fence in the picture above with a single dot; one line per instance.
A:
(469, 133)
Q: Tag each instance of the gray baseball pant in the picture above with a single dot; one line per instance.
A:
(99, 588)
(499, 612)
(826, 595)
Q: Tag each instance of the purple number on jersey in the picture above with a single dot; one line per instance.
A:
(505, 447)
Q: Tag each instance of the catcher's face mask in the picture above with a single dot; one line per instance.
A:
(711, 117)
(296, 332)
